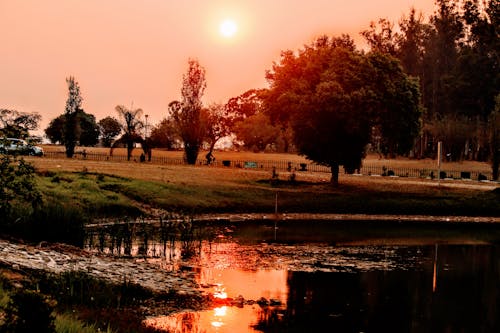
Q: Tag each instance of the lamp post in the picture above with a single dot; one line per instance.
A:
(146, 127)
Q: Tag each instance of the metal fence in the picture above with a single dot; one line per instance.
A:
(287, 166)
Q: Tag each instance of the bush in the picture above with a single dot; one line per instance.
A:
(29, 311)
(17, 185)
(51, 222)
(56, 223)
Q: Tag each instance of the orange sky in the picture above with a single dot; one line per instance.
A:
(124, 51)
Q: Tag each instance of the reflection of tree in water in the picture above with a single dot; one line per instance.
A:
(168, 238)
(271, 320)
(190, 323)
(185, 322)
(467, 298)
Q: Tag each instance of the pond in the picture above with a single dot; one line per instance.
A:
(299, 276)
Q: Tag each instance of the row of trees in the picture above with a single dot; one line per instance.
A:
(455, 55)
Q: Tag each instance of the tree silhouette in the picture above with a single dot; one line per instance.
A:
(186, 113)
(109, 128)
(15, 124)
(333, 96)
(131, 125)
(88, 130)
(71, 130)
(215, 124)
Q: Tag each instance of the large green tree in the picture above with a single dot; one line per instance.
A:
(186, 113)
(71, 129)
(333, 96)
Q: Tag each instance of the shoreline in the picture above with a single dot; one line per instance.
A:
(319, 217)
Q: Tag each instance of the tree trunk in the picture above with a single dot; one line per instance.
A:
(335, 174)
(495, 163)
(191, 152)
(130, 147)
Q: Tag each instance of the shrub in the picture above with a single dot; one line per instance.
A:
(54, 222)
(29, 311)
(16, 185)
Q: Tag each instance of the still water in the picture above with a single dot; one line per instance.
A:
(335, 277)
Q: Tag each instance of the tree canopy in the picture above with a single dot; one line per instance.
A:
(109, 129)
(87, 133)
(71, 129)
(455, 54)
(16, 124)
(186, 113)
(333, 96)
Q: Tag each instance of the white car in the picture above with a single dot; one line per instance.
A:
(19, 147)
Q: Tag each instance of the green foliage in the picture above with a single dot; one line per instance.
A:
(24, 212)
(333, 96)
(78, 288)
(164, 135)
(54, 222)
(4, 299)
(87, 129)
(28, 311)
(214, 122)
(109, 129)
(109, 196)
(256, 132)
(66, 323)
(55, 130)
(455, 55)
(84, 195)
(397, 113)
(17, 185)
(15, 124)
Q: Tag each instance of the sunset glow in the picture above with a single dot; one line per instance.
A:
(228, 28)
(124, 50)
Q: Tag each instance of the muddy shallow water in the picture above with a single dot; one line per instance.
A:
(324, 276)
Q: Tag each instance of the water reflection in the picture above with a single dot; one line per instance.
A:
(406, 284)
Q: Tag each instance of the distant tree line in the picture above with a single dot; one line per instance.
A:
(455, 55)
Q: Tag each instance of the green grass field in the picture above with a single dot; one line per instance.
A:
(118, 188)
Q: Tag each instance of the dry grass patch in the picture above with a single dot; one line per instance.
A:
(370, 160)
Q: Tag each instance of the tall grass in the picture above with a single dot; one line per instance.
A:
(66, 323)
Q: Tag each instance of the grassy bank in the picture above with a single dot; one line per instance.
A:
(100, 188)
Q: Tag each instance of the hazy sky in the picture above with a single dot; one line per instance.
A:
(136, 51)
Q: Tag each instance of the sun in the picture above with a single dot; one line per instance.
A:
(228, 28)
